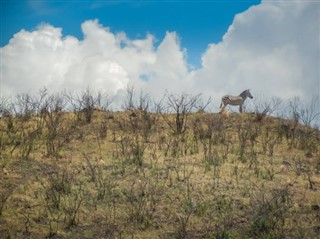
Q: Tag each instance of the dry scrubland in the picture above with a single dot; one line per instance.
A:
(136, 174)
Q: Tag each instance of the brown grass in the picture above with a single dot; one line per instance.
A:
(126, 177)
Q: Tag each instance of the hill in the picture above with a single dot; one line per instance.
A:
(137, 174)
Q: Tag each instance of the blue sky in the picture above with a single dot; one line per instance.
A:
(197, 23)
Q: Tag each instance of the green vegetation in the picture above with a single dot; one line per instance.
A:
(92, 173)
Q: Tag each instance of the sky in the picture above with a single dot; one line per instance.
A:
(211, 47)
(198, 23)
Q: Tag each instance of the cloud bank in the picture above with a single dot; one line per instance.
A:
(272, 48)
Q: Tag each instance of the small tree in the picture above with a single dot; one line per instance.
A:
(140, 106)
(85, 103)
(20, 129)
(24, 106)
(305, 113)
(308, 113)
(132, 102)
(57, 134)
(181, 106)
(264, 108)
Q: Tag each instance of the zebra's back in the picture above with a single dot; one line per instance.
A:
(232, 100)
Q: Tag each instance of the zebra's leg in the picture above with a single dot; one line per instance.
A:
(222, 108)
(240, 108)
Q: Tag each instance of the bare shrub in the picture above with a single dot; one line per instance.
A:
(132, 102)
(269, 211)
(142, 202)
(140, 119)
(243, 132)
(63, 197)
(22, 129)
(186, 210)
(178, 168)
(210, 131)
(180, 106)
(4, 196)
(203, 104)
(307, 113)
(87, 102)
(92, 167)
(24, 106)
(269, 140)
(71, 207)
(263, 108)
(58, 130)
(131, 149)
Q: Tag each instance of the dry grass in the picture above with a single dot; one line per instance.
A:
(130, 176)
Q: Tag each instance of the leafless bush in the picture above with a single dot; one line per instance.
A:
(87, 102)
(289, 129)
(142, 200)
(30, 119)
(58, 184)
(63, 197)
(22, 129)
(178, 168)
(105, 186)
(186, 210)
(300, 165)
(132, 102)
(181, 106)
(24, 106)
(71, 206)
(4, 196)
(269, 140)
(264, 108)
(131, 149)
(29, 137)
(202, 105)
(58, 130)
(92, 167)
(269, 212)
(243, 132)
(307, 138)
(307, 113)
(5, 107)
(141, 119)
(210, 131)
(223, 209)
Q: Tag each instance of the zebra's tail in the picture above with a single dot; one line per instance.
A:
(221, 105)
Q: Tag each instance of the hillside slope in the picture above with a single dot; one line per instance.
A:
(142, 175)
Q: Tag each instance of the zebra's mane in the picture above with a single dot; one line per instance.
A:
(244, 93)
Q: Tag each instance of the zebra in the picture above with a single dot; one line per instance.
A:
(235, 100)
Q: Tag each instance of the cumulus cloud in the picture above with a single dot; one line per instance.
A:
(170, 70)
(43, 58)
(102, 60)
(272, 48)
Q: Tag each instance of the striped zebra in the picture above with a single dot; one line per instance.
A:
(235, 100)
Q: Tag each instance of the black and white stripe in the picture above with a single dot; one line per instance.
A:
(235, 100)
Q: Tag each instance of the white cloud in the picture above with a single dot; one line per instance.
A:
(102, 60)
(43, 58)
(169, 71)
(272, 48)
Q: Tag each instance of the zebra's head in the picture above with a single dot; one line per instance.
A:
(249, 94)
(246, 94)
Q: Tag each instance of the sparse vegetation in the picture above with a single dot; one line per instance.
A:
(71, 169)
